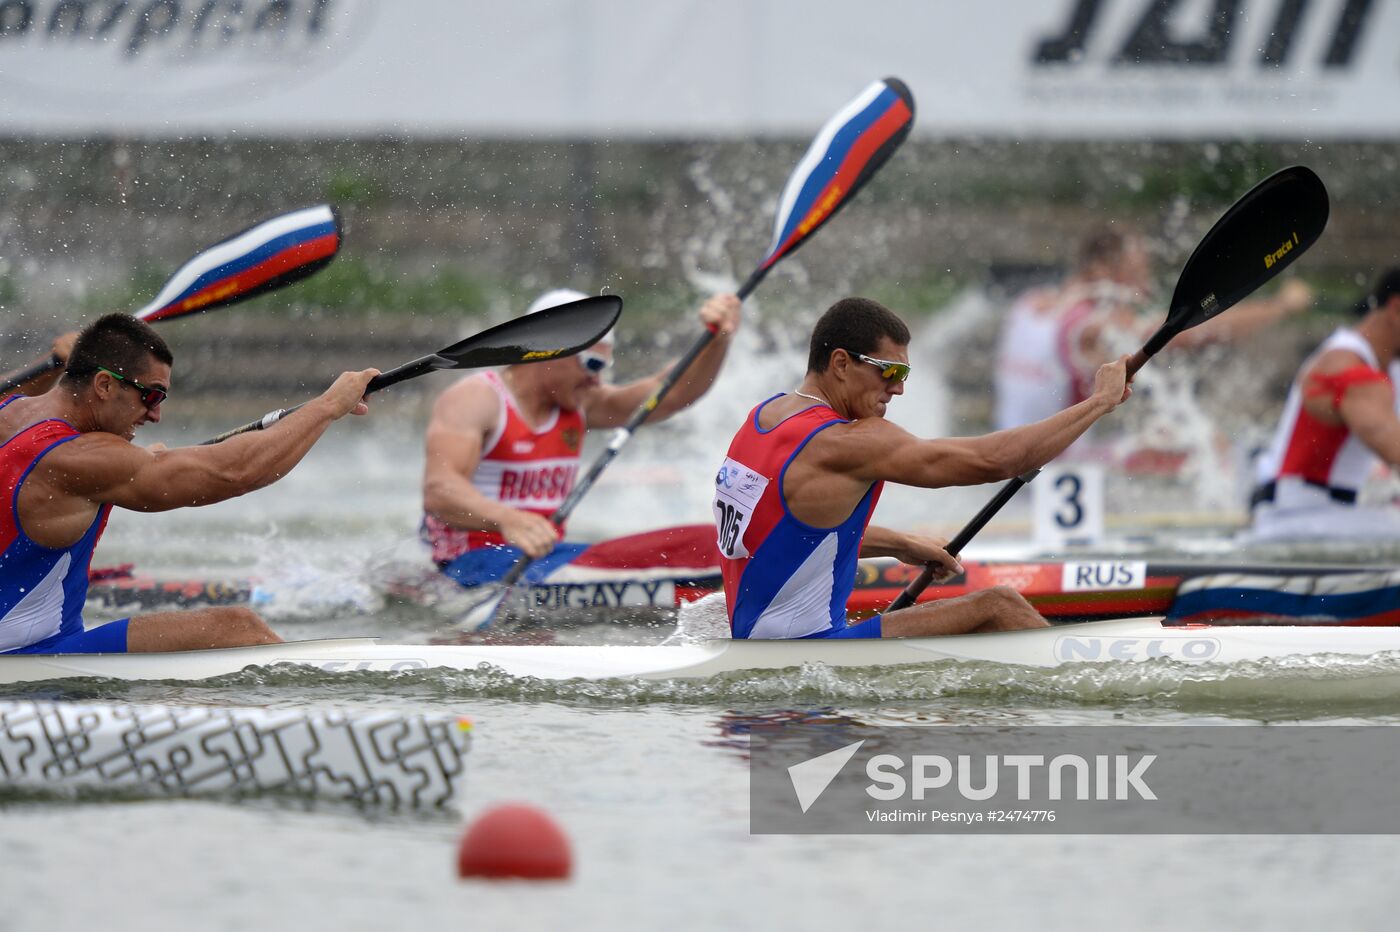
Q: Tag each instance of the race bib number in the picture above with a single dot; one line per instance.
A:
(737, 491)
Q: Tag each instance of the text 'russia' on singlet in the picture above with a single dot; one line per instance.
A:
(531, 469)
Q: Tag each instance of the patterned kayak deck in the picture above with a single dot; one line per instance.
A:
(377, 759)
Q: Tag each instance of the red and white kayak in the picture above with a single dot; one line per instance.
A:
(646, 577)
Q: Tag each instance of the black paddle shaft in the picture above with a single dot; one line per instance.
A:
(961, 539)
(409, 370)
(552, 333)
(1261, 234)
(15, 379)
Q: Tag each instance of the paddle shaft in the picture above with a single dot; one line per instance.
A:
(409, 370)
(962, 538)
(624, 433)
(14, 380)
(552, 333)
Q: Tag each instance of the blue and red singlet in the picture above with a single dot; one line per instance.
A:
(42, 589)
(784, 578)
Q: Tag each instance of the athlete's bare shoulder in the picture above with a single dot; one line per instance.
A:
(468, 388)
(849, 444)
(469, 404)
(92, 464)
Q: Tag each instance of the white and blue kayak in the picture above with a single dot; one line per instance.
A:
(378, 759)
(1132, 640)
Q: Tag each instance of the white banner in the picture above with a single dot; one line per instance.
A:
(1290, 69)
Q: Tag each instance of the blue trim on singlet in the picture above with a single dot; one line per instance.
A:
(490, 564)
(765, 403)
(104, 639)
(788, 545)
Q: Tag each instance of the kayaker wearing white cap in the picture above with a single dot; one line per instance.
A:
(503, 447)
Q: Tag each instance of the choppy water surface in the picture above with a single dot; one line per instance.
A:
(650, 780)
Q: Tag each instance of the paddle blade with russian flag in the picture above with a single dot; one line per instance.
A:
(847, 152)
(270, 255)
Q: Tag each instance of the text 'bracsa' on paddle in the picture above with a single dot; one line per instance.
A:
(1265, 231)
(846, 153)
(549, 334)
(267, 256)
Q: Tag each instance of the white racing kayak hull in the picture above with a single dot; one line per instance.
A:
(1131, 640)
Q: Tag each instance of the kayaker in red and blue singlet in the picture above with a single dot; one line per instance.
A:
(42, 589)
(784, 578)
(794, 495)
(67, 458)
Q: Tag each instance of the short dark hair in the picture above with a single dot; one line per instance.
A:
(855, 325)
(118, 342)
(1387, 287)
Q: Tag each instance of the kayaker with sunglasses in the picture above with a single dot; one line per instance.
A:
(794, 496)
(66, 459)
(503, 447)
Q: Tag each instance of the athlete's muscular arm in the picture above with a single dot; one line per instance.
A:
(102, 468)
(974, 460)
(839, 464)
(913, 549)
(463, 417)
(845, 459)
(612, 405)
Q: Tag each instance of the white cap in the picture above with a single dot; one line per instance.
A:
(560, 296)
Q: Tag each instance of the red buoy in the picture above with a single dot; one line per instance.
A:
(514, 840)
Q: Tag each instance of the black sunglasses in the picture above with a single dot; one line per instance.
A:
(150, 397)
